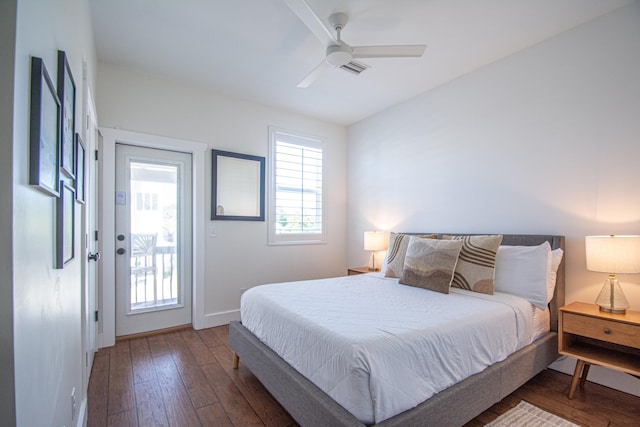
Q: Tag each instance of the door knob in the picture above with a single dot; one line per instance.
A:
(121, 251)
(94, 257)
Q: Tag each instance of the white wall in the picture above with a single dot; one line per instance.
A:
(46, 302)
(238, 257)
(7, 63)
(544, 141)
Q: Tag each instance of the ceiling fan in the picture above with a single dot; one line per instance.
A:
(338, 53)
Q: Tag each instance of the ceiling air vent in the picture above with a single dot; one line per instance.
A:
(354, 67)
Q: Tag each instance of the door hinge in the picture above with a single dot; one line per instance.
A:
(95, 316)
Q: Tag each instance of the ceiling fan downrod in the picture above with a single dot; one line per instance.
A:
(341, 53)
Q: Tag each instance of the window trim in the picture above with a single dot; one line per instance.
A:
(303, 139)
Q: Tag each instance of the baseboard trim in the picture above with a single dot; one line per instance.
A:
(210, 320)
(218, 319)
(82, 414)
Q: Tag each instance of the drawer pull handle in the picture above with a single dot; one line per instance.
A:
(607, 331)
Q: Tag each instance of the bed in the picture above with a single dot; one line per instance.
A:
(309, 405)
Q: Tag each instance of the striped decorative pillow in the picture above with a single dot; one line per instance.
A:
(396, 252)
(475, 270)
(430, 263)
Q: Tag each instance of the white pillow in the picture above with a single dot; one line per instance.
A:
(383, 268)
(552, 272)
(524, 271)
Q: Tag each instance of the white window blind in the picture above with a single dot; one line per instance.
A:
(297, 199)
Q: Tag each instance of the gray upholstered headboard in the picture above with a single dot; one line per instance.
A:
(534, 240)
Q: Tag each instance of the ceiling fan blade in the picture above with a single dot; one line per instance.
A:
(309, 18)
(397, 51)
(314, 74)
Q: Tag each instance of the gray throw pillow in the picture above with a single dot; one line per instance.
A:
(430, 263)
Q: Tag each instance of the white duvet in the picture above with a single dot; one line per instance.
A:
(379, 348)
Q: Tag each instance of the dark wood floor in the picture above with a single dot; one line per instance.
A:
(186, 378)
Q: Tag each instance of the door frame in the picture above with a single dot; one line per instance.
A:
(107, 333)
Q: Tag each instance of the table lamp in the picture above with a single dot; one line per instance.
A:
(613, 254)
(375, 241)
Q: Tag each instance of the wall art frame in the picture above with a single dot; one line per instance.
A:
(237, 186)
(65, 225)
(80, 171)
(67, 96)
(44, 131)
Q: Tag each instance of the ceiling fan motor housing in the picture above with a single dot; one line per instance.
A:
(339, 54)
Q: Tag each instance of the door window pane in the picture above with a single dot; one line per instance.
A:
(154, 281)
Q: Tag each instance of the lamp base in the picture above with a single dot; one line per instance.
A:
(613, 310)
(611, 299)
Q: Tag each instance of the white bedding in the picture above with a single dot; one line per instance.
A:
(379, 348)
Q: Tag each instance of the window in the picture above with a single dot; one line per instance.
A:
(296, 208)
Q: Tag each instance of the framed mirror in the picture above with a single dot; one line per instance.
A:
(237, 186)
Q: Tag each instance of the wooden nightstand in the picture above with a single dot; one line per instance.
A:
(359, 270)
(598, 338)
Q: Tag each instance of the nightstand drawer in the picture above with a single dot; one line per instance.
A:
(601, 329)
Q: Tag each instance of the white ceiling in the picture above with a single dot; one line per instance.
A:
(259, 50)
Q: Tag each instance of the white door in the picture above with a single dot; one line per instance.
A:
(153, 239)
(91, 245)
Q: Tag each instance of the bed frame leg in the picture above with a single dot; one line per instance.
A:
(236, 360)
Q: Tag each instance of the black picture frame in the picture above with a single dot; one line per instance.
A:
(44, 131)
(237, 186)
(80, 171)
(65, 225)
(67, 96)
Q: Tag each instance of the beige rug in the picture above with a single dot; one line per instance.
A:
(525, 414)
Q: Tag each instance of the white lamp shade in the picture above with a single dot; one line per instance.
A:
(375, 240)
(613, 254)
